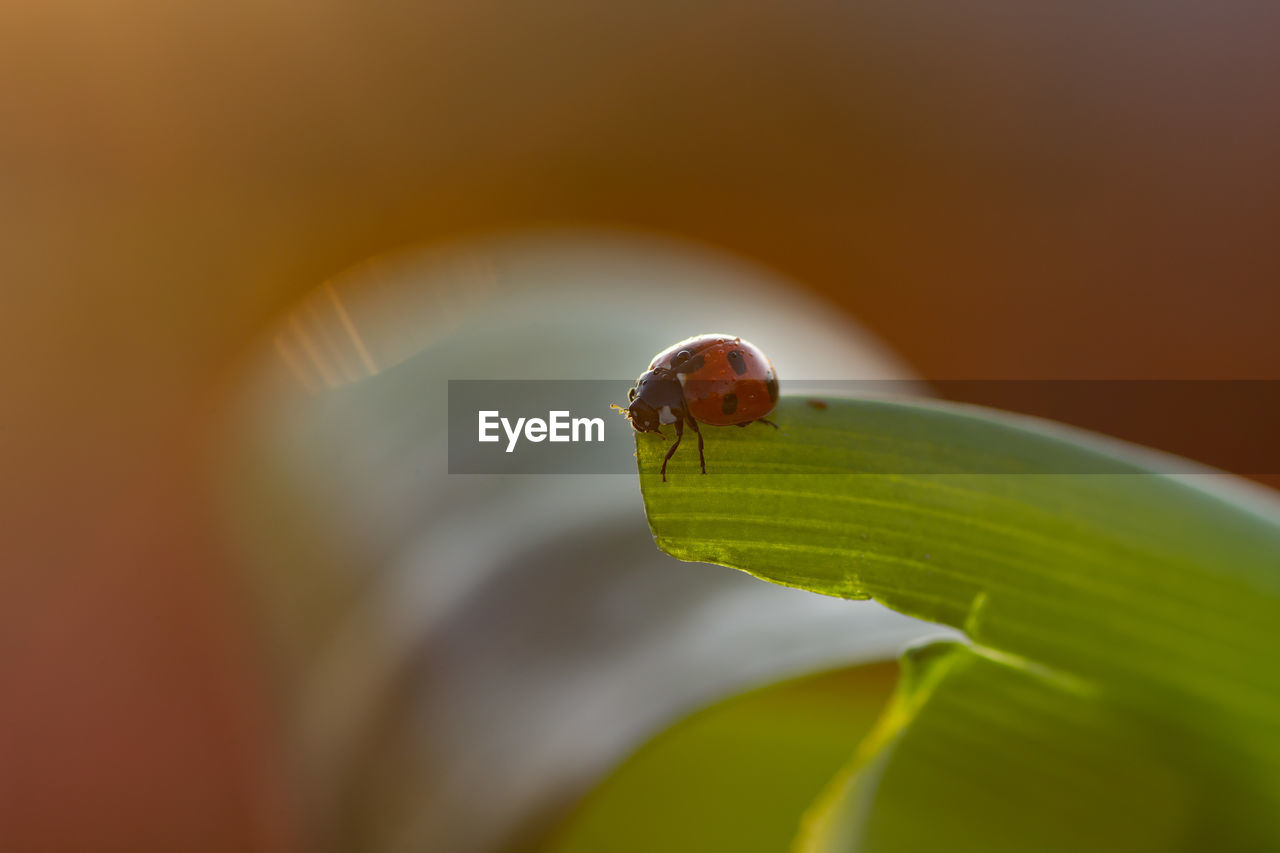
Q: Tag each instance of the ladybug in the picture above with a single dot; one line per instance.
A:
(710, 379)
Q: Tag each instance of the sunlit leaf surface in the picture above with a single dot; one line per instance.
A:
(1121, 686)
(734, 776)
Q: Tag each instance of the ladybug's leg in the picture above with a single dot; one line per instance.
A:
(702, 460)
(763, 421)
(672, 449)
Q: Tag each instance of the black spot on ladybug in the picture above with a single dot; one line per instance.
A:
(690, 363)
(737, 362)
(772, 385)
(820, 405)
(729, 404)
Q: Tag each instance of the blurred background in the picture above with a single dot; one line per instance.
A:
(242, 245)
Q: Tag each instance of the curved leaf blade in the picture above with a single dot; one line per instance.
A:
(734, 775)
(1061, 558)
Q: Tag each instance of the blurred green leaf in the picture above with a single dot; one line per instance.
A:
(1121, 685)
(736, 775)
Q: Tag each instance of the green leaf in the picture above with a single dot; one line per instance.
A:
(733, 776)
(1120, 686)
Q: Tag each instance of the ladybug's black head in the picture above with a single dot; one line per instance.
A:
(643, 416)
(657, 398)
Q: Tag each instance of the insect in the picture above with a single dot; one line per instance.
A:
(710, 379)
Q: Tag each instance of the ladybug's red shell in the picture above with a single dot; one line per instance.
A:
(726, 380)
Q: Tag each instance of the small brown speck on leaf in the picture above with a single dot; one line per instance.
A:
(820, 405)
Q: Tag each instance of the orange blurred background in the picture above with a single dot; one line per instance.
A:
(997, 190)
